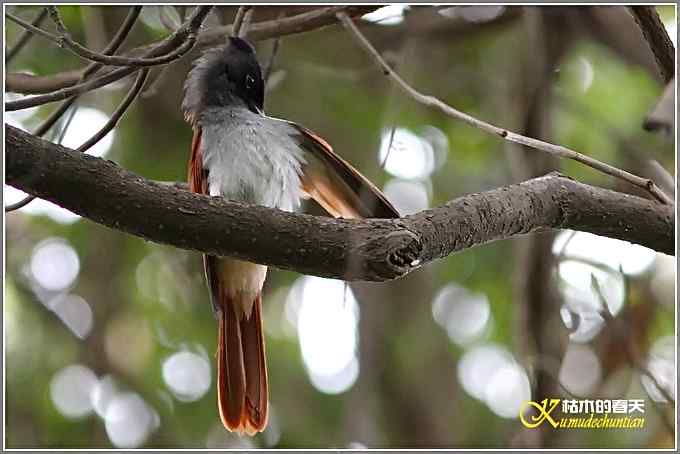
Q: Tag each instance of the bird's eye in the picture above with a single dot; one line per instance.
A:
(249, 81)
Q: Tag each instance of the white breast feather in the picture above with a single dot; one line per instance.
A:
(251, 158)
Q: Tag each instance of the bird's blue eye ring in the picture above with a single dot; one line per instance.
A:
(249, 81)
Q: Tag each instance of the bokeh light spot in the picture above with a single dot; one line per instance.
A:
(86, 122)
(70, 390)
(580, 371)
(632, 258)
(327, 331)
(489, 373)
(54, 264)
(408, 197)
(508, 390)
(74, 311)
(129, 420)
(406, 155)
(661, 365)
(187, 375)
(476, 367)
(387, 15)
(463, 314)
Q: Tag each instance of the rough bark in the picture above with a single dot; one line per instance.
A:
(370, 250)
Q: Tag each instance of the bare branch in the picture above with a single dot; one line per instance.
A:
(118, 113)
(238, 20)
(35, 84)
(660, 174)
(110, 49)
(64, 39)
(54, 117)
(172, 43)
(99, 135)
(350, 249)
(322, 17)
(167, 20)
(182, 11)
(555, 150)
(389, 147)
(32, 28)
(272, 59)
(122, 32)
(656, 36)
(25, 37)
(245, 25)
(155, 82)
(74, 90)
(299, 23)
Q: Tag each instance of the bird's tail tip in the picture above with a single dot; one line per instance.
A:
(241, 370)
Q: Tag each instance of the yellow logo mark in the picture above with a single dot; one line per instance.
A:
(544, 409)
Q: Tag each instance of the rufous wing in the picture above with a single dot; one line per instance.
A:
(197, 176)
(337, 186)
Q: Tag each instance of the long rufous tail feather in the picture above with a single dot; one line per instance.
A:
(241, 368)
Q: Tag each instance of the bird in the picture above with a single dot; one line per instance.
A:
(241, 154)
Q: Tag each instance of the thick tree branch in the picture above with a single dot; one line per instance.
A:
(318, 18)
(99, 135)
(372, 249)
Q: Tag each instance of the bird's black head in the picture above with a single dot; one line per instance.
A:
(225, 77)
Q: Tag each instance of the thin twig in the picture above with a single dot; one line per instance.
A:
(656, 172)
(64, 39)
(272, 59)
(74, 90)
(238, 20)
(665, 179)
(118, 113)
(123, 31)
(99, 135)
(152, 87)
(556, 150)
(182, 11)
(245, 24)
(389, 147)
(562, 252)
(25, 37)
(111, 48)
(32, 28)
(67, 124)
(170, 44)
(20, 204)
(299, 23)
(92, 68)
(168, 21)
